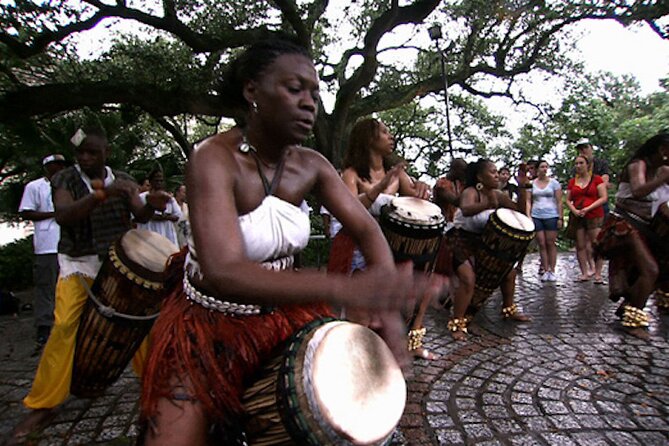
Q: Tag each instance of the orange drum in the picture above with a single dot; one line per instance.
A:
(413, 228)
(123, 303)
(505, 239)
(335, 383)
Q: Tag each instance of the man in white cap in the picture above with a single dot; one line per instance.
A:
(36, 205)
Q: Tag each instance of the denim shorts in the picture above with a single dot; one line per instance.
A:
(545, 224)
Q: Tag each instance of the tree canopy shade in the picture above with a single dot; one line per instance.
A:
(169, 71)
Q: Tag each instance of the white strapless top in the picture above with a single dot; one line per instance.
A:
(274, 230)
(474, 223)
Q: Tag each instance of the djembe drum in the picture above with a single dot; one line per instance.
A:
(123, 303)
(335, 383)
(505, 239)
(413, 229)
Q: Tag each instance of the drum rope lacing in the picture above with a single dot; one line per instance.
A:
(109, 311)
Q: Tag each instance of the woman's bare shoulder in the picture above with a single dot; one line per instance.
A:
(220, 146)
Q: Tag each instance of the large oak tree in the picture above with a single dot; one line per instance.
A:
(169, 71)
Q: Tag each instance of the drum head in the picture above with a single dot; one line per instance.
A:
(147, 249)
(515, 220)
(357, 384)
(417, 211)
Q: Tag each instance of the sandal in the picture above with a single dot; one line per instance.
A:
(599, 281)
(582, 278)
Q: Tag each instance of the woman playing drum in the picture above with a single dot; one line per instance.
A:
(370, 176)
(245, 188)
(627, 239)
(479, 199)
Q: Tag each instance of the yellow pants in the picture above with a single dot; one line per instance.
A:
(54, 373)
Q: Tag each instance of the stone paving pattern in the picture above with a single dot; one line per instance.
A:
(571, 377)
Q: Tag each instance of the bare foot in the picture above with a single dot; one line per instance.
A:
(35, 420)
(424, 353)
(459, 335)
(474, 329)
(520, 317)
(637, 332)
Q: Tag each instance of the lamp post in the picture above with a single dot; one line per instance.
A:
(435, 34)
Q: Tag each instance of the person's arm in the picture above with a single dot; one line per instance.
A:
(470, 205)
(30, 202)
(173, 215)
(445, 193)
(601, 198)
(369, 196)
(143, 210)
(229, 272)
(570, 199)
(558, 204)
(69, 211)
(413, 188)
(36, 215)
(642, 186)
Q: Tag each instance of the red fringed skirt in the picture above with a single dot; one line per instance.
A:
(217, 355)
(341, 253)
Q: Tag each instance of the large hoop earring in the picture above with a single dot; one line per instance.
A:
(479, 186)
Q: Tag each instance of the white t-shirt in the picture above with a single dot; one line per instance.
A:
(165, 227)
(37, 197)
(543, 200)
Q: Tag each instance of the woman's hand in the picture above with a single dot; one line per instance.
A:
(423, 190)
(391, 176)
(396, 294)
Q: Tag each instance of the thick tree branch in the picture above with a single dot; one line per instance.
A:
(363, 75)
(57, 98)
(176, 133)
(292, 16)
(43, 40)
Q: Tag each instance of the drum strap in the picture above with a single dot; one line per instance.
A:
(108, 311)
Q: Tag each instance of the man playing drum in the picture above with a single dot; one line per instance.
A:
(93, 205)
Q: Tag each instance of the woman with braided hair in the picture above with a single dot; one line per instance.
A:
(240, 298)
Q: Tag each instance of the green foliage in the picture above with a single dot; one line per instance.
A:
(612, 113)
(16, 265)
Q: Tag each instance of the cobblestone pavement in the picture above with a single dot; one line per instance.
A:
(570, 377)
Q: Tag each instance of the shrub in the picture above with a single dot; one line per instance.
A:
(16, 265)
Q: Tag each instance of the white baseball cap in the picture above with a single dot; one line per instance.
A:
(582, 142)
(55, 158)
